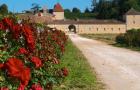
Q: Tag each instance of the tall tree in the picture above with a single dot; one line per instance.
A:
(3, 9)
(114, 8)
(103, 9)
(76, 10)
(67, 11)
(87, 10)
(35, 7)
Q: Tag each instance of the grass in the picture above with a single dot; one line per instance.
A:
(81, 75)
(109, 39)
(127, 47)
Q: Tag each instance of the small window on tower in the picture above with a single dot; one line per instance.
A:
(119, 29)
(134, 22)
(90, 29)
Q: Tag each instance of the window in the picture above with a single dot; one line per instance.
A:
(97, 29)
(89, 29)
(133, 22)
(104, 29)
(112, 29)
(119, 29)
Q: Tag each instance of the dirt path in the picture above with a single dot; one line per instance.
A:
(118, 68)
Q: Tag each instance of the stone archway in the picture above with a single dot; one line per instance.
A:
(72, 28)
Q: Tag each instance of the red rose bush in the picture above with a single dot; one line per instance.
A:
(30, 56)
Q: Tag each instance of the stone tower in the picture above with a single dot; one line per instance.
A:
(58, 12)
(132, 19)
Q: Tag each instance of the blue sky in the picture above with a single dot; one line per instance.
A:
(20, 5)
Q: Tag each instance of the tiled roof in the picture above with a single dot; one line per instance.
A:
(58, 8)
(92, 21)
(132, 12)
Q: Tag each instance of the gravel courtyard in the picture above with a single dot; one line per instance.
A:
(118, 68)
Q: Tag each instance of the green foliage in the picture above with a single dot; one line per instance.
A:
(35, 7)
(67, 11)
(114, 9)
(45, 70)
(76, 10)
(104, 9)
(120, 39)
(77, 14)
(130, 38)
(74, 16)
(87, 10)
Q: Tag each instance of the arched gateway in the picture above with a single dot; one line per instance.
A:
(72, 28)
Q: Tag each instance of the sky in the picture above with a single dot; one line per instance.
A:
(20, 5)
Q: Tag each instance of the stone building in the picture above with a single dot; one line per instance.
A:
(92, 26)
(58, 12)
(132, 19)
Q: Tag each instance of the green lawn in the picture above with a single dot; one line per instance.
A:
(108, 38)
(81, 76)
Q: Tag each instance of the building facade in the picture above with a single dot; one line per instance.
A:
(132, 21)
(92, 26)
(58, 12)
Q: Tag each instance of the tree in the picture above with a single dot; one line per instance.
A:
(35, 7)
(3, 9)
(76, 10)
(103, 9)
(87, 10)
(108, 9)
(67, 11)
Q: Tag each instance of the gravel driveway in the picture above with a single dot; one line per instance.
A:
(118, 68)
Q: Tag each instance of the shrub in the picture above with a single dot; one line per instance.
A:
(30, 56)
(130, 38)
(120, 39)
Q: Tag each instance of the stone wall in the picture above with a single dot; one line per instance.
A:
(92, 28)
(35, 19)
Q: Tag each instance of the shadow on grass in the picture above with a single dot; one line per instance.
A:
(109, 39)
(125, 46)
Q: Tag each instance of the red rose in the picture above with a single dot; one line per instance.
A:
(25, 76)
(65, 71)
(28, 34)
(1, 65)
(4, 88)
(16, 68)
(36, 87)
(16, 30)
(36, 61)
(22, 51)
(8, 22)
(2, 26)
(21, 87)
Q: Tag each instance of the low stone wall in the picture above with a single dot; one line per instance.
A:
(35, 19)
(92, 28)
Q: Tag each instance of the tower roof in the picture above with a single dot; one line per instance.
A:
(132, 11)
(58, 8)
